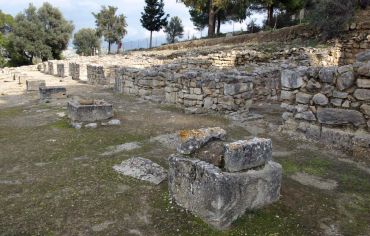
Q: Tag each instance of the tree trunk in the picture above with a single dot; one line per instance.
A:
(270, 16)
(150, 42)
(109, 44)
(218, 24)
(211, 19)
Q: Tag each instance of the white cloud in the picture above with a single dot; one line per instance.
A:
(79, 11)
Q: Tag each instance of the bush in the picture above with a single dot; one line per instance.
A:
(330, 17)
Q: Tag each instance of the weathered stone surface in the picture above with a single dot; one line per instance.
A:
(91, 126)
(365, 108)
(338, 94)
(364, 70)
(363, 83)
(345, 80)
(95, 112)
(307, 115)
(313, 85)
(111, 150)
(310, 131)
(246, 154)
(303, 98)
(233, 89)
(191, 140)
(337, 138)
(287, 95)
(320, 99)
(334, 116)
(212, 153)
(219, 197)
(363, 56)
(336, 102)
(143, 169)
(362, 94)
(291, 79)
(34, 85)
(52, 92)
(327, 75)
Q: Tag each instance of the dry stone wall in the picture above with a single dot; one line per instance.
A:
(329, 104)
(190, 89)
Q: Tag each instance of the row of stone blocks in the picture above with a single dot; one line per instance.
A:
(246, 178)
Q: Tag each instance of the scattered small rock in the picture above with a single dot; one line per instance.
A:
(168, 140)
(61, 114)
(10, 182)
(143, 169)
(91, 126)
(120, 148)
(76, 125)
(102, 226)
(114, 122)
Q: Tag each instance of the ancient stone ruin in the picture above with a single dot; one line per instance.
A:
(52, 92)
(34, 85)
(219, 189)
(89, 110)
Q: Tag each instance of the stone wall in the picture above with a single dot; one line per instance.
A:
(96, 75)
(355, 40)
(329, 104)
(190, 89)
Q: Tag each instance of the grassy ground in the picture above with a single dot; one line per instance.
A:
(53, 180)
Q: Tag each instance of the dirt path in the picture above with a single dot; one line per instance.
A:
(54, 180)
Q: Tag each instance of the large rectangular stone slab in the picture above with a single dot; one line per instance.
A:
(246, 154)
(52, 92)
(219, 197)
(334, 116)
(34, 85)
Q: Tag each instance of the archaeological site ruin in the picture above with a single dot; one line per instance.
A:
(256, 134)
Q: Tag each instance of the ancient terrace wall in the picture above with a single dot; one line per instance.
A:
(330, 105)
(355, 40)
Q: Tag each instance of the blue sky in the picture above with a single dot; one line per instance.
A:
(79, 11)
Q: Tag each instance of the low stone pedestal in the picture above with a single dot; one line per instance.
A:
(53, 92)
(89, 112)
(247, 180)
(34, 85)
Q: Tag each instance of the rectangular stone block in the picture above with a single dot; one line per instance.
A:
(89, 113)
(217, 197)
(247, 154)
(53, 92)
(34, 85)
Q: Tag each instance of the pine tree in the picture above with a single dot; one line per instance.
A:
(153, 18)
(174, 29)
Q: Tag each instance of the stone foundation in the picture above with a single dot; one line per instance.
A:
(96, 111)
(329, 104)
(52, 92)
(247, 179)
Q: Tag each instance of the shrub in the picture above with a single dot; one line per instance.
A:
(330, 17)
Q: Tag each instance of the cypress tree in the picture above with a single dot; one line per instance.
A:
(153, 18)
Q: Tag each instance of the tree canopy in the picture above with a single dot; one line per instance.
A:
(41, 33)
(153, 18)
(174, 29)
(220, 10)
(86, 41)
(110, 26)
